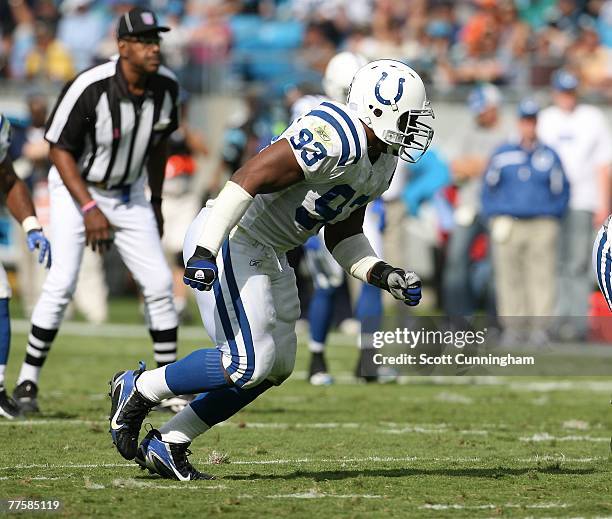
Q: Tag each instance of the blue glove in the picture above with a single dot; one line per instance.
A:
(201, 270)
(412, 292)
(405, 286)
(37, 240)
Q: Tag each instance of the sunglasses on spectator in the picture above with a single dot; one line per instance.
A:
(144, 40)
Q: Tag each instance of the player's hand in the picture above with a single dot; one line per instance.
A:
(201, 270)
(405, 286)
(97, 231)
(37, 240)
(159, 218)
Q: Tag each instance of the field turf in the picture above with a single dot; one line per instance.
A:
(454, 447)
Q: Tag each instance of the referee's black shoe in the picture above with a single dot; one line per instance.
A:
(25, 396)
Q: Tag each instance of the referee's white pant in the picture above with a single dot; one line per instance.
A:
(602, 262)
(137, 241)
(251, 311)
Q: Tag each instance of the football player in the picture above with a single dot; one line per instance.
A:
(322, 171)
(20, 205)
(327, 275)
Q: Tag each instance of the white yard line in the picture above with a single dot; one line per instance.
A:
(67, 466)
(561, 458)
(318, 495)
(70, 421)
(490, 506)
(543, 437)
(306, 461)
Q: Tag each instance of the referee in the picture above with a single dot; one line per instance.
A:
(109, 126)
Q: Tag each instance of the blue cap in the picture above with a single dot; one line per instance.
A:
(483, 97)
(528, 108)
(564, 81)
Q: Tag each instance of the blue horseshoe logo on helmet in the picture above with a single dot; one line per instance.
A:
(398, 96)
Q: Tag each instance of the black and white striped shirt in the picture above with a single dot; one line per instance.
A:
(109, 131)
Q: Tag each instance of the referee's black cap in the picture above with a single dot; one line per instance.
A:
(138, 21)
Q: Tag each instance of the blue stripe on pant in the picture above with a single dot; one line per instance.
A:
(603, 278)
(243, 321)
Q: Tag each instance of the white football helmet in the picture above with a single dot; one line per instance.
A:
(390, 98)
(339, 73)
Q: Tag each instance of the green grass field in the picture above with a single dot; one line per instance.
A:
(428, 448)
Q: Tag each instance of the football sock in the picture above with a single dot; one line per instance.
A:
(217, 406)
(209, 409)
(5, 336)
(164, 346)
(200, 371)
(183, 427)
(320, 313)
(39, 344)
(316, 347)
(152, 385)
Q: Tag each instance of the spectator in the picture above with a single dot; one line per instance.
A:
(580, 135)
(476, 145)
(604, 22)
(80, 30)
(48, 60)
(477, 58)
(591, 61)
(525, 193)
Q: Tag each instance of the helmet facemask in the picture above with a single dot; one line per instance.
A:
(411, 134)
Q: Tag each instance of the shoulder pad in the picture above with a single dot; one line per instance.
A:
(337, 125)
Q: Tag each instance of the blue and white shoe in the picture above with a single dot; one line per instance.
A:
(169, 460)
(128, 410)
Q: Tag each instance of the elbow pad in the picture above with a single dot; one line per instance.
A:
(229, 208)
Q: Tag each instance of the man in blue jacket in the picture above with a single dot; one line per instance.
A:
(525, 193)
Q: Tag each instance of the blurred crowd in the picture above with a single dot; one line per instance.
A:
(216, 43)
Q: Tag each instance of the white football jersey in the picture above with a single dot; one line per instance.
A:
(5, 137)
(330, 145)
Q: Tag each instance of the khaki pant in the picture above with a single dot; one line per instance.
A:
(524, 259)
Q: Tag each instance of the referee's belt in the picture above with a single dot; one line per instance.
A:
(122, 191)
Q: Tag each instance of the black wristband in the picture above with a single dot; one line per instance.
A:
(156, 199)
(379, 274)
(204, 253)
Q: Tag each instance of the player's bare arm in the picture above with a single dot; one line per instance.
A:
(97, 227)
(20, 205)
(156, 165)
(274, 169)
(17, 196)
